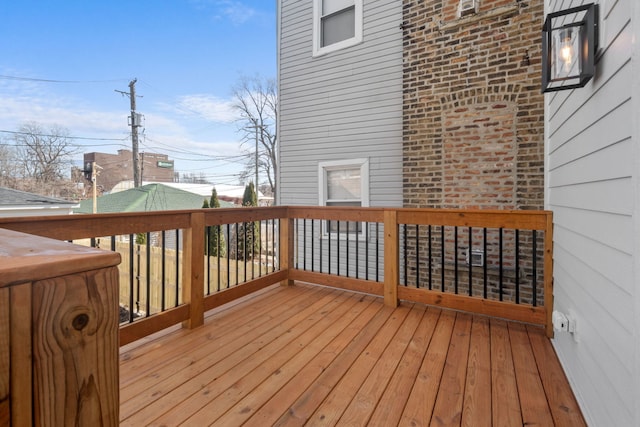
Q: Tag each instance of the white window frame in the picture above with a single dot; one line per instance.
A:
(323, 167)
(318, 50)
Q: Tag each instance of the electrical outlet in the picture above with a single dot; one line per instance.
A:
(560, 321)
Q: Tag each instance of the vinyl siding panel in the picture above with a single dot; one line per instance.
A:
(342, 105)
(592, 182)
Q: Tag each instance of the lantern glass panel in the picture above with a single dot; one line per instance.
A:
(565, 53)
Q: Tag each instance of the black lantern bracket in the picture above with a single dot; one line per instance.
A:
(569, 47)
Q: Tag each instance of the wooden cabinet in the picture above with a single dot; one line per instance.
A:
(58, 333)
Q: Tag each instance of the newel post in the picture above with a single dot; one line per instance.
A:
(193, 270)
(548, 274)
(391, 258)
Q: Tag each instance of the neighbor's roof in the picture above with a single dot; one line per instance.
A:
(15, 198)
(231, 191)
(150, 197)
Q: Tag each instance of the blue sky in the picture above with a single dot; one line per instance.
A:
(186, 55)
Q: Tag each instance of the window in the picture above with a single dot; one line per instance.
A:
(344, 183)
(337, 24)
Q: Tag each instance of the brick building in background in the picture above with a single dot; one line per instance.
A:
(473, 112)
(119, 167)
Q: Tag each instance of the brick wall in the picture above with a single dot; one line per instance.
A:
(473, 114)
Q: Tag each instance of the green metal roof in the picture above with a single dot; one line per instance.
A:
(150, 197)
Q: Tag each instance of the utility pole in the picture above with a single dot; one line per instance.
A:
(91, 174)
(135, 124)
(256, 126)
(94, 184)
(134, 133)
(256, 162)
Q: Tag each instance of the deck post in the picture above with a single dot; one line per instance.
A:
(58, 333)
(391, 258)
(548, 274)
(286, 247)
(193, 270)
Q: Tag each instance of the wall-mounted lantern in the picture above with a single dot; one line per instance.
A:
(569, 45)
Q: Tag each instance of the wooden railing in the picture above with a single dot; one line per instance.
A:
(427, 255)
(394, 253)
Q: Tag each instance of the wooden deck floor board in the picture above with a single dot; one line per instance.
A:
(342, 394)
(304, 406)
(207, 366)
(291, 357)
(366, 399)
(221, 330)
(505, 406)
(535, 409)
(305, 354)
(477, 393)
(301, 380)
(392, 403)
(419, 407)
(563, 404)
(224, 390)
(448, 407)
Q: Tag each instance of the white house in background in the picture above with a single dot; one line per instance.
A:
(592, 143)
(20, 203)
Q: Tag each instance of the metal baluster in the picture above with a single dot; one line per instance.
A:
(417, 255)
(455, 259)
(442, 254)
(148, 271)
(338, 248)
(430, 260)
(501, 264)
(535, 268)
(404, 254)
(470, 255)
(131, 277)
(517, 266)
(207, 243)
(177, 268)
(347, 245)
(486, 262)
(163, 302)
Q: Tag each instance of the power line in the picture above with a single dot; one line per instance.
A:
(31, 79)
(207, 157)
(87, 138)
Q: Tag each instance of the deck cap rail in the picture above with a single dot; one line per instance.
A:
(28, 258)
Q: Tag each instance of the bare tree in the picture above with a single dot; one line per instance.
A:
(256, 101)
(8, 165)
(45, 154)
(39, 161)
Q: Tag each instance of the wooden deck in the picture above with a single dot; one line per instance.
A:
(313, 355)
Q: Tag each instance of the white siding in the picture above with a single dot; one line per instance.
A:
(342, 105)
(592, 186)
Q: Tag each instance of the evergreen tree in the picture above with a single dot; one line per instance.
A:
(248, 232)
(214, 202)
(249, 198)
(216, 236)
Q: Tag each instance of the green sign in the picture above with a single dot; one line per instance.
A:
(162, 164)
